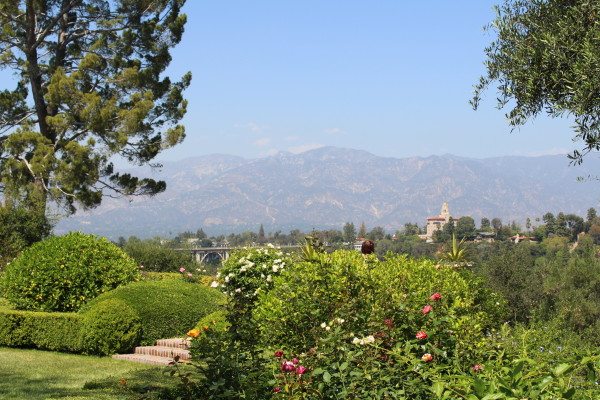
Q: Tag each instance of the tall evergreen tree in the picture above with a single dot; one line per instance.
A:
(90, 88)
(362, 232)
(349, 232)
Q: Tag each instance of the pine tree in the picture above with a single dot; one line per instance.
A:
(349, 232)
(362, 232)
(90, 88)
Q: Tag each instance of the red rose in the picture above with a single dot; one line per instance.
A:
(276, 389)
(279, 353)
(421, 335)
(389, 323)
(295, 361)
(427, 357)
(427, 309)
(435, 297)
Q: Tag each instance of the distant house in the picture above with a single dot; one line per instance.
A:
(436, 223)
(488, 237)
(519, 238)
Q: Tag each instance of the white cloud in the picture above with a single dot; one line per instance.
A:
(262, 142)
(305, 147)
(252, 127)
(334, 131)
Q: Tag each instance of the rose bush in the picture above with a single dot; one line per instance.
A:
(349, 326)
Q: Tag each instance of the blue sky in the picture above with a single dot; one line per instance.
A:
(392, 77)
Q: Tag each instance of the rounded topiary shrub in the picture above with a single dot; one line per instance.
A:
(110, 327)
(62, 273)
(167, 308)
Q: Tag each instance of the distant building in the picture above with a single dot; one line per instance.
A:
(436, 223)
(488, 237)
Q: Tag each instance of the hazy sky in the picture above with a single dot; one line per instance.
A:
(392, 77)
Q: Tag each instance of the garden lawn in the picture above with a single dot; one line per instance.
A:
(36, 375)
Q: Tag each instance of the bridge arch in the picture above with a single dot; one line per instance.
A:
(208, 254)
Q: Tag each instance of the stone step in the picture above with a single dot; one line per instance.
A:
(178, 343)
(163, 351)
(144, 358)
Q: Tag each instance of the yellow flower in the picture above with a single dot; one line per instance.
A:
(194, 333)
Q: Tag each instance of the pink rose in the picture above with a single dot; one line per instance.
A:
(300, 369)
(182, 270)
(435, 297)
(287, 366)
(421, 335)
(427, 309)
(295, 361)
(477, 368)
(189, 275)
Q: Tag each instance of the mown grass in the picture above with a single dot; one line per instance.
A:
(37, 375)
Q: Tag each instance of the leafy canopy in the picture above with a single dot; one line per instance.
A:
(545, 59)
(89, 87)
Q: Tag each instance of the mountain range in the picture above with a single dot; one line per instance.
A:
(326, 187)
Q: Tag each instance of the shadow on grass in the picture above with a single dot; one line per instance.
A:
(140, 384)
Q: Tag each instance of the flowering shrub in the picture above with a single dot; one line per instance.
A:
(62, 273)
(348, 326)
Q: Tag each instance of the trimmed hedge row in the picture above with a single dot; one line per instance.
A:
(115, 322)
(47, 331)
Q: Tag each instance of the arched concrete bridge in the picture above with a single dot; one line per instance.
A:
(200, 254)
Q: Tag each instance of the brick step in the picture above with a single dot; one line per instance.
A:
(163, 351)
(144, 358)
(177, 343)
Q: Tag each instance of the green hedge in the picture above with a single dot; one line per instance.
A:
(110, 327)
(167, 308)
(42, 330)
(106, 328)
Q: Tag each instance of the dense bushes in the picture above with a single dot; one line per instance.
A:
(347, 326)
(110, 327)
(166, 308)
(156, 257)
(62, 273)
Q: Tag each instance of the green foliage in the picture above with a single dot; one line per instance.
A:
(161, 276)
(166, 308)
(42, 330)
(365, 292)
(541, 60)
(110, 326)
(510, 271)
(155, 257)
(457, 254)
(20, 228)
(216, 320)
(90, 86)
(63, 273)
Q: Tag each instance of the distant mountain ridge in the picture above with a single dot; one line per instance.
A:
(326, 187)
